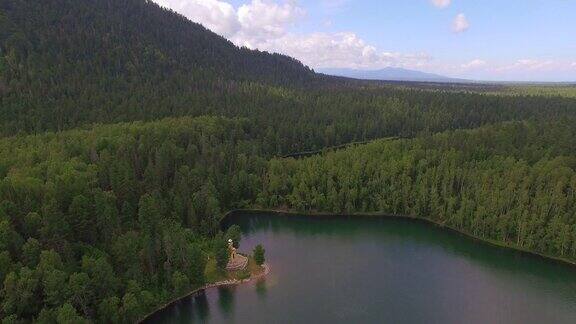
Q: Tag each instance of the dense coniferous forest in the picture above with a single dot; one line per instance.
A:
(513, 183)
(113, 221)
(128, 131)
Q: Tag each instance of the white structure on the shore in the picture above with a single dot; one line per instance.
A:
(232, 249)
(237, 261)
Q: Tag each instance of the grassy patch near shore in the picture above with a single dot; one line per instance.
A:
(212, 273)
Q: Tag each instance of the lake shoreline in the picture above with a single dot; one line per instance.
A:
(494, 243)
(326, 215)
(223, 283)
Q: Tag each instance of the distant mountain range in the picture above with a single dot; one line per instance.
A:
(389, 74)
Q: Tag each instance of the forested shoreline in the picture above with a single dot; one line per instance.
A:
(513, 183)
(107, 223)
(131, 212)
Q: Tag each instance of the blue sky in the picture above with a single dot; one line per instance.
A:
(524, 40)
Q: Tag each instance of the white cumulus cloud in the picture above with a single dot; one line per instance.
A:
(529, 65)
(474, 64)
(344, 49)
(218, 16)
(266, 19)
(441, 3)
(460, 23)
(265, 25)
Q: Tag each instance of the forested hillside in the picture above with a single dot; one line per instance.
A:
(82, 58)
(67, 63)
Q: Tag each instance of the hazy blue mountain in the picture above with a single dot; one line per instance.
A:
(390, 73)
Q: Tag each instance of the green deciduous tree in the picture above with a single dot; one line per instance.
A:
(109, 310)
(180, 283)
(67, 314)
(221, 253)
(234, 233)
(80, 294)
(31, 252)
(21, 293)
(55, 287)
(259, 254)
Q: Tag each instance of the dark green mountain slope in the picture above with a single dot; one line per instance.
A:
(93, 57)
(131, 37)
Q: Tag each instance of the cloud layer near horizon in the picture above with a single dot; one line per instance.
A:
(267, 25)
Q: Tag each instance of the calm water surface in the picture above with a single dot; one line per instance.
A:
(358, 270)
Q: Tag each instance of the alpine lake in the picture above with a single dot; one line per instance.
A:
(381, 270)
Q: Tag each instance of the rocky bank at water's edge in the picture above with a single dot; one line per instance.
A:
(229, 282)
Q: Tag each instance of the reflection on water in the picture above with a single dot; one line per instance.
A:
(193, 309)
(382, 270)
(261, 288)
(226, 300)
(200, 307)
